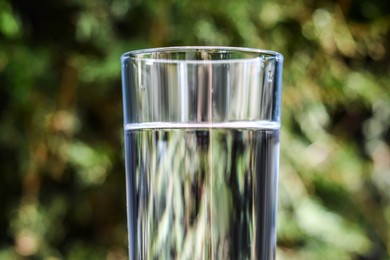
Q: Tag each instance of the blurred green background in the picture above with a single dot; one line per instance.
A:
(62, 181)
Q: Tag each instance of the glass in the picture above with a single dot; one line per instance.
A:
(201, 133)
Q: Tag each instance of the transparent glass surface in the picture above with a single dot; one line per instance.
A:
(201, 127)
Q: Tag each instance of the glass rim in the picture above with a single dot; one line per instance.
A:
(137, 55)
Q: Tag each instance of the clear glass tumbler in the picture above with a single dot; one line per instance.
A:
(201, 133)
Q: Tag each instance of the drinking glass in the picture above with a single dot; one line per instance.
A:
(201, 134)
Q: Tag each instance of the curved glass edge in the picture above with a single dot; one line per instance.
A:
(135, 54)
(263, 55)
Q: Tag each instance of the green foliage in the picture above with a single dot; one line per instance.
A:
(62, 190)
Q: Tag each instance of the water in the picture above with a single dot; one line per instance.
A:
(201, 192)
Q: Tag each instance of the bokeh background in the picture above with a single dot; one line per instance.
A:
(62, 180)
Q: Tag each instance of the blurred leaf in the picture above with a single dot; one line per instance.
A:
(10, 25)
(92, 164)
(331, 228)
